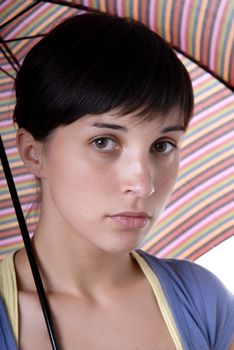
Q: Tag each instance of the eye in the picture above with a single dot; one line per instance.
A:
(104, 144)
(164, 147)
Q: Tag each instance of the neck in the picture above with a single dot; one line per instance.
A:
(76, 267)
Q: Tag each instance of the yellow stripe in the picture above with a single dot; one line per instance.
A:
(161, 299)
(5, 79)
(167, 21)
(103, 5)
(206, 238)
(199, 28)
(17, 10)
(4, 109)
(210, 91)
(228, 55)
(186, 216)
(8, 289)
(224, 31)
(204, 128)
(52, 18)
(38, 29)
(204, 204)
(25, 192)
(206, 166)
(9, 225)
(158, 15)
(135, 9)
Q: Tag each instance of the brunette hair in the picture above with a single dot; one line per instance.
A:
(93, 63)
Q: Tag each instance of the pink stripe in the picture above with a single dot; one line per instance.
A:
(24, 177)
(201, 79)
(207, 184)
(86, 3)
(11, 210)
(26, 207)
(195, 229)
(219, 96)
(5, 94)
(184, 29)
(214, 38)
(12, 150)
(5, 123)
(152, 14)
(214, 108)
(7, 211)
(5, 4)
(19, 28)
(206, 149)
(119, 8)
(8, 67)
(201, 215)
(6, 241)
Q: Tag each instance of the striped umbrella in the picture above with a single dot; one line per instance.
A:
(198, 214)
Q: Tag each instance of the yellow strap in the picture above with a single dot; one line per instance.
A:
(8, 291)
(161, 299)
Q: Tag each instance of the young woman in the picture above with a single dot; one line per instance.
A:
(102, 106)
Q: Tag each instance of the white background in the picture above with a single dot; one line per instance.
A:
(220, 261)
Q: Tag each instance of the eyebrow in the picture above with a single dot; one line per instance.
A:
(123, 128)
(110, 126)
(173, 128)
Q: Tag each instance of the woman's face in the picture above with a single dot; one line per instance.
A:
(106, 178)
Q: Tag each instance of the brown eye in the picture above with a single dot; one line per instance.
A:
(164, 147)
(104, 144)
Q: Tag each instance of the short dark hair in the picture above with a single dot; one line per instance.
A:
(93, 63)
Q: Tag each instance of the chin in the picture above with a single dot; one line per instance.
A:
(123, 245)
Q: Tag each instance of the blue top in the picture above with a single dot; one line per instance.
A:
(7, 340)
(203, 309)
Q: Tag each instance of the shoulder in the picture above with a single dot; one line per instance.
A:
(200, 295)
(189, 274)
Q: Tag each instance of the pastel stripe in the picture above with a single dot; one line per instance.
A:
(210, 227)
(198, 214)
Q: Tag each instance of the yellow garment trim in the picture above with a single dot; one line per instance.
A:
(161, 299)
(8, 291)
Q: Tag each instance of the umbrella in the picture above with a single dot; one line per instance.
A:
(198, 214)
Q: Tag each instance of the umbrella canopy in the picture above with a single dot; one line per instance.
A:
(198, 214)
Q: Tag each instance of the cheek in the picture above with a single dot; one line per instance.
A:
(76, 183)
(167, 178)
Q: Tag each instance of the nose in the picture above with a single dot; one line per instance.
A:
(138, 179)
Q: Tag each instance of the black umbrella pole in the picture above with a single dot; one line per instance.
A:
(28, 247)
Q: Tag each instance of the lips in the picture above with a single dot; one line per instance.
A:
(131, 219)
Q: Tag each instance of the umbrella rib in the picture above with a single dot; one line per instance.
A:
(204, 67)
(12, 56)
(24, 38)
(18, 14)
(69, 4)
(28, 247)
(9, 75)
(8, 59)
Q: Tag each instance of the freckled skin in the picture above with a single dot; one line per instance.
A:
(84, 182)
(88, 174)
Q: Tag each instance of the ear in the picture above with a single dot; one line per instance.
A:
(30, 151)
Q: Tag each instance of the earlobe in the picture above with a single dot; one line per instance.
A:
(30, 151)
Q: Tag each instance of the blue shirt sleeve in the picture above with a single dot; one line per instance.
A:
(202, 307)
(216, 307)
(7, 340)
